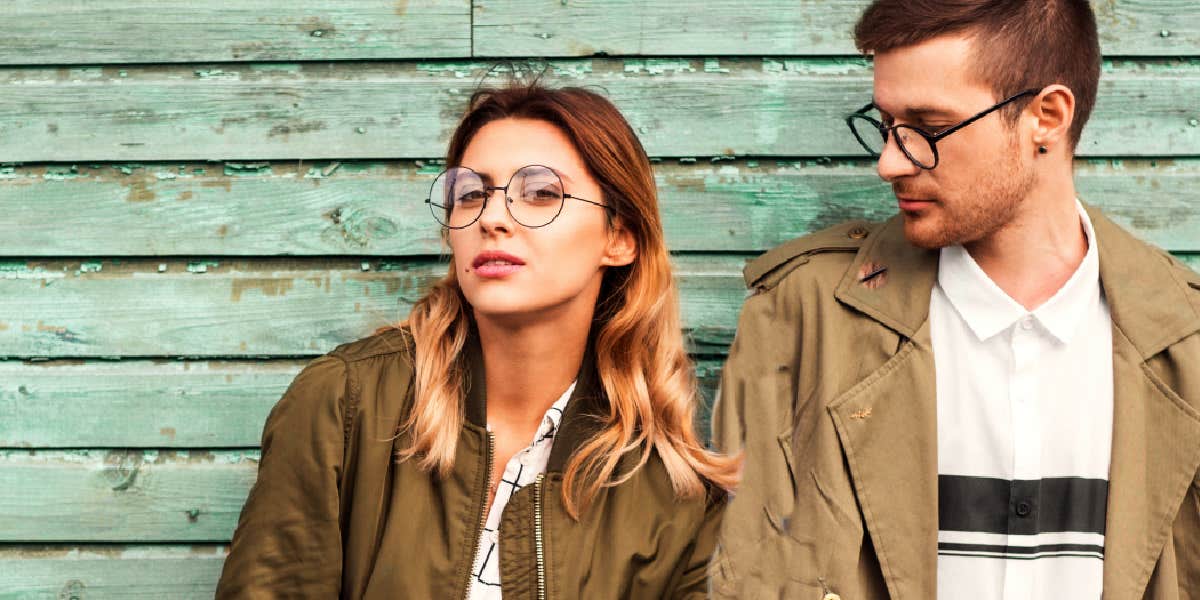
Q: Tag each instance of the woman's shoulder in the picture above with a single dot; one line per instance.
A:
(395, 341)
(652, 483)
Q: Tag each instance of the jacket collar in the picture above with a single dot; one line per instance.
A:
(583, 418)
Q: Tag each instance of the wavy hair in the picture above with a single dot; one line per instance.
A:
(643, 367)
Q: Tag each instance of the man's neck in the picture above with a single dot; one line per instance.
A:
(1033, 256)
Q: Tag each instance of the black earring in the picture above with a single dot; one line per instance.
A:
(1042, 150)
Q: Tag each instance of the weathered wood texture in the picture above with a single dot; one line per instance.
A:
(774, 27)
(166, 31)
(265, 307)
(406, 110)
(42, 572)
(375, 209)
(120, 495)
(164, 404)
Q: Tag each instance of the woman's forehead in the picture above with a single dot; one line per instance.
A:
(502, 147)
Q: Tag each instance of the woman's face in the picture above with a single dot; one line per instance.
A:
(508, 271)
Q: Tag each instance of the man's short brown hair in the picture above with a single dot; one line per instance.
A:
(1019, 44)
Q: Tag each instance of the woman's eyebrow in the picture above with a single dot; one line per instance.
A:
(561, 175)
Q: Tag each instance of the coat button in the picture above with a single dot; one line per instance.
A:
(858, 233)
(831, 596)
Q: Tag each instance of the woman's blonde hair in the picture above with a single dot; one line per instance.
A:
(642, 365)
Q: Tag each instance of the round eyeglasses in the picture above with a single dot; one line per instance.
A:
(918, 145)
(534, 196)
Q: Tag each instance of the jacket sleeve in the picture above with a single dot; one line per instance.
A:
(691, 577)
(288, 538)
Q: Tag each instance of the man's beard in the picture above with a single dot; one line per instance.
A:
(979, 213)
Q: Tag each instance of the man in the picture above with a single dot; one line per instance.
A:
(994, 394)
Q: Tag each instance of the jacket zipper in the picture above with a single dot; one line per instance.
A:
(537, 537)
(483, 511)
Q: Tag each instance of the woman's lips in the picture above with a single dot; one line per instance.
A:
(495, 264)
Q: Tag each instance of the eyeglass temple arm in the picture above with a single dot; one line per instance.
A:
(604, 206)
(941, 134)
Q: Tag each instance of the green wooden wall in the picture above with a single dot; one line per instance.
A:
(198, 196)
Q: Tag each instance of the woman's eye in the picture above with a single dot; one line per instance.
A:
(543, 194)
(471, 197)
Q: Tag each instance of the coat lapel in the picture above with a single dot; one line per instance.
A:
(1155, 456)
(887, 424)
(1156, 434)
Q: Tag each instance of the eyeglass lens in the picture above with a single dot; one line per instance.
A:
(534, 196)
(873, 138)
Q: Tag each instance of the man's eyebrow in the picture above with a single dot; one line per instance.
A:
(920, 111)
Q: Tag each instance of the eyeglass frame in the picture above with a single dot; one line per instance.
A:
(488, 189)
(932, 138)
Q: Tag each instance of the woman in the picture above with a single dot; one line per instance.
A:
(527, 433)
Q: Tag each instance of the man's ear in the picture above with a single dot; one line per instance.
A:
(1053, 111)
(622, 247)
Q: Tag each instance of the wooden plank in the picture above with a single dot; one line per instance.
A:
(276, 308)
(374, 208)
(120, 495)
(407, 110)
(95, 572)
(518, 28)
(139, 404)
(265, 307)
(168, 31)
(159, 404)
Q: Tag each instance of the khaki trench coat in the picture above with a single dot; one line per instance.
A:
(333, 515)
(829, 389)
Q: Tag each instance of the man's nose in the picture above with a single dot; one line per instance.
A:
(893, 162)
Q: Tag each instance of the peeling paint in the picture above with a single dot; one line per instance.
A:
(201, 266)
(268, 286)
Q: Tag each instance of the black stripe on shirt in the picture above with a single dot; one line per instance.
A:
(1020, 552)
(1021, 507)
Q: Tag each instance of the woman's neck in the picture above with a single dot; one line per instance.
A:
(528, 366)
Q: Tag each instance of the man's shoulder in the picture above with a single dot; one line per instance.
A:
(826, 255)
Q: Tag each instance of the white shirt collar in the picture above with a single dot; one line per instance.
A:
(987, 310)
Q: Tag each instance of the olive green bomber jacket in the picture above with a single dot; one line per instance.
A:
(332, 514)
(829, 390)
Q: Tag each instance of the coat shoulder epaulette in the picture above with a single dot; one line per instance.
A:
(766, 271)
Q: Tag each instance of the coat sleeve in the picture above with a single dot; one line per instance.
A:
(753, 416)
(288, 538)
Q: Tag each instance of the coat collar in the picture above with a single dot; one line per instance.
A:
(887, 424)
(586, 410)
(1148, 301)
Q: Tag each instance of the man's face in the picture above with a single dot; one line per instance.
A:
(982, 176)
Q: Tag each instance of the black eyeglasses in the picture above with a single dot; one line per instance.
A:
(918, 145)
(459, 195)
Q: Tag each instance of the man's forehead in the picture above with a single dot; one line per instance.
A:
(930, 78)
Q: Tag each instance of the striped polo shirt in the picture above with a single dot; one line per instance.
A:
(1024, 405)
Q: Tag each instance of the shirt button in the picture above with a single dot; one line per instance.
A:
(1023, 509)
(1027, 323)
